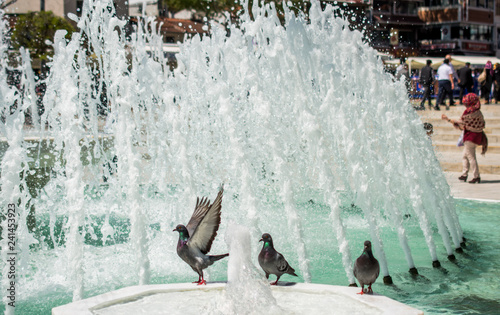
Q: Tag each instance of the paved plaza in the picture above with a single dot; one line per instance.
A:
(488, 189)
(450, 156)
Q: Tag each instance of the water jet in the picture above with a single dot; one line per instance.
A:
(282, 114)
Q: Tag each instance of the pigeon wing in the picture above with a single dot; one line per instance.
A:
(355, 270)
(357, 264)
(281, 263)
(377, 269)
(205, 223)
(201, 209)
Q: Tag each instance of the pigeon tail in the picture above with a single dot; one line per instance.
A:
(217, 257)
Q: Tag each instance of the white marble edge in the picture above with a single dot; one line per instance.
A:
(87, 306)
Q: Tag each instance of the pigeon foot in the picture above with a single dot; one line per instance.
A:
(370, 291)
(274, 283)
(202, 282)
(199, 280)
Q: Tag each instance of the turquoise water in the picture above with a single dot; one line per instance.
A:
(468, 285)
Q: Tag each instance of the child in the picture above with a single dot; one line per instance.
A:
(429, 128)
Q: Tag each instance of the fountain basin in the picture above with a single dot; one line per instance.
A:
(188, 298)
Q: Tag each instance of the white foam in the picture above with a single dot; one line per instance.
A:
(247, 290)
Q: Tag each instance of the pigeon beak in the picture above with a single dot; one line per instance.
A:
(261, 240)
(174, 230)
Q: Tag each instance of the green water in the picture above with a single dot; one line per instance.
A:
(468, 285)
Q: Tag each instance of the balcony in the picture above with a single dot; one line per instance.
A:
(441, 14)
(385, 19)
(464, 46)
(355, 2)
(438, 45)
(456, 13)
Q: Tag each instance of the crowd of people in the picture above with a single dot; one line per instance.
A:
(471, 123)
(443, 82)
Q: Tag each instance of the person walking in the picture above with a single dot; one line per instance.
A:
(472, 123)
(465, 81)
(404, 74)
(402, 62)
(496, 80)
(487, 82)
(445, 81)
(455, 78)
(455, 74)
(426, 79)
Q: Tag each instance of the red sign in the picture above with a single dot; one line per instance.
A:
(476, 46)
(438, 46)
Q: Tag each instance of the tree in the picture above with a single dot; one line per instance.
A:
(33, 29)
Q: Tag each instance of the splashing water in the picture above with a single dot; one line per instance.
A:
(285, 116)
(247, 291)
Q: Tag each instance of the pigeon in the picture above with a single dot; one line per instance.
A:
(273, 262)
(366, 268)
(196, 238)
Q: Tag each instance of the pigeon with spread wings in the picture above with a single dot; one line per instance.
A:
(196, 238)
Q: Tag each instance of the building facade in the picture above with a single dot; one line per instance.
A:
(399, 27)
(143, 8)
(395, 25)
(460, 27)
(434, 27)
(58, 7)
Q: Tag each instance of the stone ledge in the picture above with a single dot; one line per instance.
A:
(292, 296)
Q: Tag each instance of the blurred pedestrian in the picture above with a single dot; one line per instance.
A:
(455, 78)
(477, 86)
(404, 74)
(455, 74)
(427, 80)
(496, 80)
(402, 62)
(487, 82)
(472, 123)
(446, 85)
(465, 81)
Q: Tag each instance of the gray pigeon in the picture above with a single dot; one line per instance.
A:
(366, 268)
(196, 238)
(273, 262)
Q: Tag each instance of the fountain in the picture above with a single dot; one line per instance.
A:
(313, 141)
